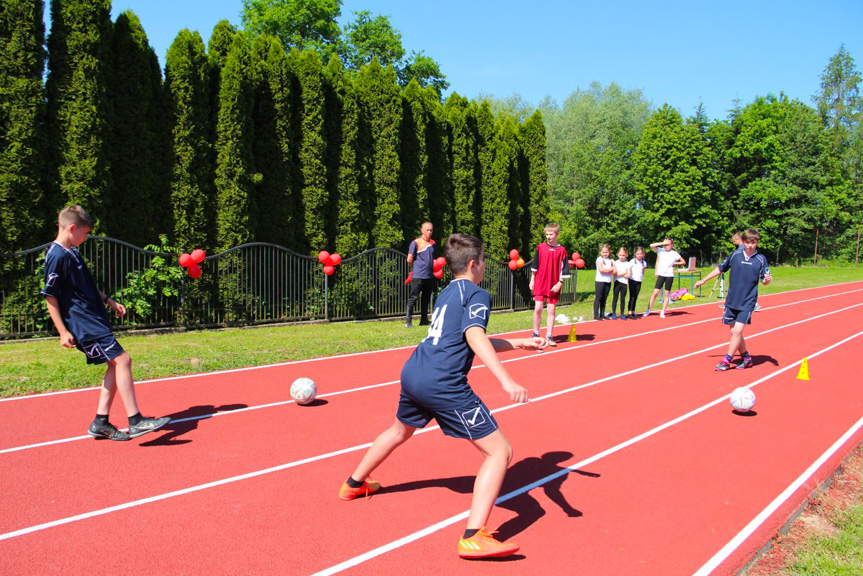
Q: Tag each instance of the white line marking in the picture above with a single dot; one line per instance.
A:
(463, 515)
(478, 366)
(286, 466)
(293, 362)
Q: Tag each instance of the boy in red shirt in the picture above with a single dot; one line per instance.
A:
(549, 269)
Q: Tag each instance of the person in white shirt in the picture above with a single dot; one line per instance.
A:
(637, 267)
(604, 276)
(621, 280)
(667, 258)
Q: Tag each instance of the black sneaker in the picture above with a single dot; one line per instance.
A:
(108, 431)
(147, 425)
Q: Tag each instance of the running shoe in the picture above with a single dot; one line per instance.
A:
(368, 488)
(757, 307)
(147, 425)
(535, 335)
(551, 342)
(108, 431)
(483, 545)
(745, 363)
(662, 314)
(646, 313)
(723, 366)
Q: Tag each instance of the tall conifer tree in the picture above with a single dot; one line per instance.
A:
(495, 202)
(463, 162)
(382, 111)
(417, 109)
(535, 177)
(22, 137)
(77, 104)
(187, 84)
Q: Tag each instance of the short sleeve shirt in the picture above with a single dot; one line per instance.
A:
(743, 278)
(665, 262)
(424, 254)
(606, 262)
(621, 268)
(637, 269)
(436, 373)
(68, 279)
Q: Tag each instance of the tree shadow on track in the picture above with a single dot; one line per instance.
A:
(545, 469)
(187, 420)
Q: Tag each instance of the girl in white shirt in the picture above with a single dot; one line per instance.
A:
(667, 258)
(621, 280)
(604, 276)
(637, 266)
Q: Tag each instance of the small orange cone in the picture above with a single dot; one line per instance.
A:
(803, 374)
(572, 336)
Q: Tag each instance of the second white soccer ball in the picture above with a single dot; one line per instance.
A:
(742, 399)
(303, 391)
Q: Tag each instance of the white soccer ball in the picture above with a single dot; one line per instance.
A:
(303, 391)
(742, 399)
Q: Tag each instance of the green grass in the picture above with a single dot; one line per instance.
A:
(42, 365)
(838, 555)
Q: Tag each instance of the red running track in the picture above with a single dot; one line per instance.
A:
(628, 459)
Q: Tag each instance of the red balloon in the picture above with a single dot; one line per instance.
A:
(576, 256)
(198, 256)
(328, 270)
(519, 262)
(438, 273)
(512, 265)
(185, 259)
(579, 263)
(194, 271)
(513, 254)
(329, 261)
(439, 263)
(335, 259)
(323, 255)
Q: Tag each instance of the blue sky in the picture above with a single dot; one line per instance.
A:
(676, 52)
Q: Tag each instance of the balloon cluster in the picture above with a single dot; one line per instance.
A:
(190, 262)
(515, 261)
(330, 261)
(576, 260)
(439, 263)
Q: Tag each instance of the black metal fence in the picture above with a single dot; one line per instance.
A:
(251, 284)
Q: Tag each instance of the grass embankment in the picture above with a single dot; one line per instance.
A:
(42, 365)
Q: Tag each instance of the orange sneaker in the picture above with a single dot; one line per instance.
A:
(368, 488)
(483, 545)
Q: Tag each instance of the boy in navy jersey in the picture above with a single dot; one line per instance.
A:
(77, 308)
(549, 269)
(747, 267)
(434, 386)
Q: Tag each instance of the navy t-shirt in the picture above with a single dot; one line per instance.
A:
(424, 254)
(743, 279)
(435, 375)
(68, 279)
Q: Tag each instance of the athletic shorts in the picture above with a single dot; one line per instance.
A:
(550, 299)
(100, 350)
(732, 316)
(471, 421)
(668, 281)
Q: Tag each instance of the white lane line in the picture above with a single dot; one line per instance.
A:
(232, 479)
(762, 517)
(526, 357)
(463, 515)
(322, 358)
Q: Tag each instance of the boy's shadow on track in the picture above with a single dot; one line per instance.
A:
(188, 419)
(522, 474)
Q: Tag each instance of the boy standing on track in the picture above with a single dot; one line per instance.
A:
(667, 258)
(77, 309)
(550, 268)
(434, 386)
(747, 267)
(421, 256)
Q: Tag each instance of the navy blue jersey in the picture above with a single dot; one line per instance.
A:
(436, 373)
(424, 255)
(743, 279)
(68, 279)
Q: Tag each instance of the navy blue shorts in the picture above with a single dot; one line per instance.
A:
(100, 350)
(471, 421)
(667, 281)
(732, 316)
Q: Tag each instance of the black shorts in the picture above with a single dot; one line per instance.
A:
(668, 281)
(732, 316)
(100, 350)
(471, 421)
